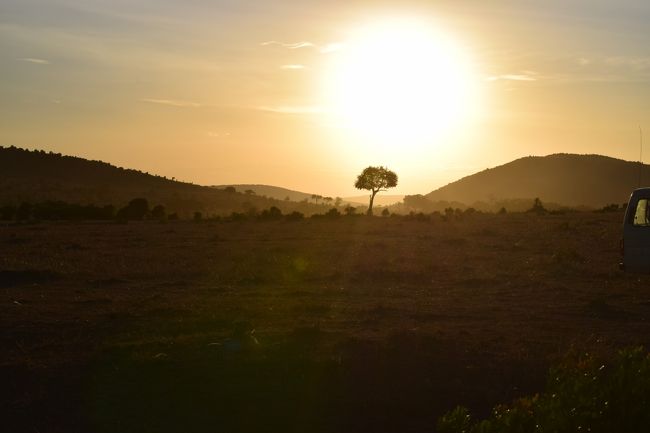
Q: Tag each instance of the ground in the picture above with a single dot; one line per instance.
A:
(349, 324)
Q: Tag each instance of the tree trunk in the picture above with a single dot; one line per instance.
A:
(372, 198)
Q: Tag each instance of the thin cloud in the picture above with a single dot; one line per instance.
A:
(292, 109)
(292, 67)
(512, 77)
(218, 134)
(171, 102)
(291, 46)
(608, 69)
(325, 49)
(34, 60)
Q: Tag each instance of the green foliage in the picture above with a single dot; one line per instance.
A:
(582, 395)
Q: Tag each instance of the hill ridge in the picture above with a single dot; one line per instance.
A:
(568, 179)
(38, 176)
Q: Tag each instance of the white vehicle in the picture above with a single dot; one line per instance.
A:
(635, 245)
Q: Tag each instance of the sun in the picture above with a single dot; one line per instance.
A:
(401, 82)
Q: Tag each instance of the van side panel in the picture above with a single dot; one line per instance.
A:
(636, 232)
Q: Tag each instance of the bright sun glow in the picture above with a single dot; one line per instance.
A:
(401, 83)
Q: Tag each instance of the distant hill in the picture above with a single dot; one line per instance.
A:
(564, 179)
(38, 176)
(275, 192)
(280, 193)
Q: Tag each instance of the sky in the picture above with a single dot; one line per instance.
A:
(304, 94)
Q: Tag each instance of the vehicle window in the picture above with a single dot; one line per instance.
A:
(641, 214)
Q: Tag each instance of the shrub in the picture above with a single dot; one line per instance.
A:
(271, 214)
(333, 213)
(158, 212)
(24, 212)
(238, 216)
(137, 209)
(582, 395)
(613, 207)
(294, 216)
(538, 208)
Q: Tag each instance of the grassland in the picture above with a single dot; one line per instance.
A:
(336, 325)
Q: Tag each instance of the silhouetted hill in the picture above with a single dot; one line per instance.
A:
(565, 179)
(275, 192)
(280, 193)
(38, 176)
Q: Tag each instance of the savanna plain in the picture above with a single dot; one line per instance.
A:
(347, 324)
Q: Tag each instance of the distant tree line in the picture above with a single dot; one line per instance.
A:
(56, 210)
(136, 209)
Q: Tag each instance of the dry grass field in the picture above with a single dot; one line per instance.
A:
(336, 325)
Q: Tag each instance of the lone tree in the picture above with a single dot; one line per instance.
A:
(375, 179)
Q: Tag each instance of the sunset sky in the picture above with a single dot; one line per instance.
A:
(304, 94)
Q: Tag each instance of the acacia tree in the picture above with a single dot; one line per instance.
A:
(375, 179)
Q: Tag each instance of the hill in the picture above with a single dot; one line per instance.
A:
(564, 179)
(38, 176)
(275, 192)
(280, 193)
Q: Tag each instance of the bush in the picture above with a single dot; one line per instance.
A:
(137, 209)
(158, 212)
(333, 213)
(271, 214)
(538, 208)
(238, 216)
(294, 216)
(582, 395)
(613, 207)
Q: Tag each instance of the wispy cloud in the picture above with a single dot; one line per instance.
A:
(292, 67)
(604, 69)
(34, 60)
(325, 49)
(512, 77)
(291, 46)
(292, 109)
(171, 102)
(214, 134)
